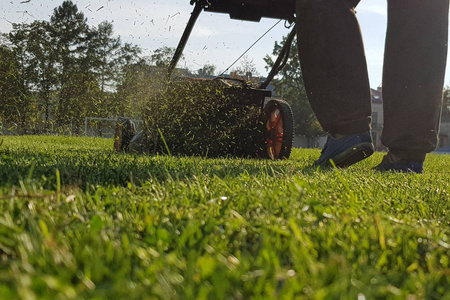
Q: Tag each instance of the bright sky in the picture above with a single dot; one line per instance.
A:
(216, 38)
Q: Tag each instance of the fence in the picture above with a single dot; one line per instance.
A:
(104, 127)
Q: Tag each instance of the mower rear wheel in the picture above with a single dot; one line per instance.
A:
(279, 122)
(125, 131)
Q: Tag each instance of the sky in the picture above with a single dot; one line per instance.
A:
(216, 39)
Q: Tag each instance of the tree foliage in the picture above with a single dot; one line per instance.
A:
(60, 71)
(162, 57)
(246, 71)
(446, 102)
(207, 70)
(16, 107)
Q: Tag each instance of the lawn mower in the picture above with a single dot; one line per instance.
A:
(221, 116)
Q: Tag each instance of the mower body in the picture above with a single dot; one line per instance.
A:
(251, 10)
(217, 117)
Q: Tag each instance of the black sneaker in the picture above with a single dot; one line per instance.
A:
(402, 166)
(347, 150)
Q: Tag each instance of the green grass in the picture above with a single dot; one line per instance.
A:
(79, 221)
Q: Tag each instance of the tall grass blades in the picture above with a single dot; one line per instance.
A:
(80, 221)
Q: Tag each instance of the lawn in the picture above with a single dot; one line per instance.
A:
(79, 221)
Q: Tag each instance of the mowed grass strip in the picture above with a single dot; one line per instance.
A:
(79, 221)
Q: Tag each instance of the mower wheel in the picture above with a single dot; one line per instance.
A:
(125, 131)
(279, 135)
(138, 143)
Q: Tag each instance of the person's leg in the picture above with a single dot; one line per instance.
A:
(334, 71)
(334, 65)
(413, 76)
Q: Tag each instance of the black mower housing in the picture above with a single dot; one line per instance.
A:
(251, 10)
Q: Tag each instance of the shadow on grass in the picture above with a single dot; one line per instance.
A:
(83, 168)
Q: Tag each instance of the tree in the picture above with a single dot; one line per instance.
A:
(62, 70)
(70, 33)
(140, 83)
(102, 54)
(246, 70)
(108, 59)
(42, 67)
(32, 46)
(10, 85)
(446, 102)
(289, 86)
(207, 70)
(162, 57)
(19, 104)
(129, 55)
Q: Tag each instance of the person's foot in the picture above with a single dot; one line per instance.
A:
(346, 150)
(393, 163)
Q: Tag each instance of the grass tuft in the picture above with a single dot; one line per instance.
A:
(78, 220)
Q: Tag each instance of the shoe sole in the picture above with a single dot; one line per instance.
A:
(352, 156)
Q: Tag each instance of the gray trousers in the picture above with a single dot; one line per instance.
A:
(335, 70)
